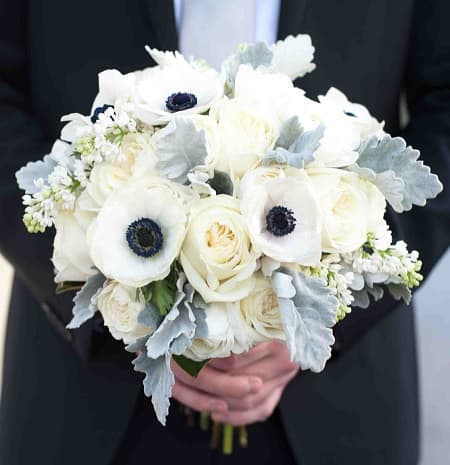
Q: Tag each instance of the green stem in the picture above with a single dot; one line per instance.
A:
(227, 441)
(204, 421)
(243, 436)
(190, 417)
(215, 433)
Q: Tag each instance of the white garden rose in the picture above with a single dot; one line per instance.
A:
(261, 312)
(274, 91)
(139, 231)
(352, 207)
(120, 307)
(227, 333)
(282, 214)
(70, 252)
(86, 210)
(138, 161)
(246, 132)
(139, 154)
(217, 254)
(105, 178)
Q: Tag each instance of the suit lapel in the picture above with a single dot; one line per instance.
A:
(159, 15)
(291, 17)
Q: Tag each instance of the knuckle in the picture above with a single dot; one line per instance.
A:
(247, 403)
(266, 412)
(237, 388)
(289, 366)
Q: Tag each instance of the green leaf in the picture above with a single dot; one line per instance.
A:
(221, 183)
(67, 286)
(162, 293)
(191, 367)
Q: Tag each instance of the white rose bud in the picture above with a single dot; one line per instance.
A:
(104, 179)
(261, 312)
(227, 333)
(351, 206)
(217, 254)
(70, 252)
(120, 311)
(246, 132)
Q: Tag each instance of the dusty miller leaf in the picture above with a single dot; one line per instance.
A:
(32, 171)
(180, 148)
(308, 312)
(258, 54)
(86, 301)
(158, 382)
(176, 331)
(137, 346)
(362, 297)
(391, 161)
(400, 292)
(300, 152)
(290, 130)
(149, 316)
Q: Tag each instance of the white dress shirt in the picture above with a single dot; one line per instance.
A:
(212, 29)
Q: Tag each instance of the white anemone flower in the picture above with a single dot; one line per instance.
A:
(114, 88)
(356, 114)
(341, 139)
(138, 232)
(176, 87)
(283, 215)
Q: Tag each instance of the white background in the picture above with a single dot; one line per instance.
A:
(433, 328)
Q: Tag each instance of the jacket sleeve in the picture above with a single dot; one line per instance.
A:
(427, 89)
(22, 140)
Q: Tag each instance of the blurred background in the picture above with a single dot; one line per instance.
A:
(433, 328)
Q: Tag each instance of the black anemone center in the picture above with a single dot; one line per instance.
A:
(280, 221)
(144, 237)
(98, 111)
(180, 101)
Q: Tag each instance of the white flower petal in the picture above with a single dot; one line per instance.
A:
(107, 234)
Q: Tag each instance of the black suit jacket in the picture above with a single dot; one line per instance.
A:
(363, 407)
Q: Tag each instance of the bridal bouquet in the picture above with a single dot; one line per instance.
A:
(202, 212)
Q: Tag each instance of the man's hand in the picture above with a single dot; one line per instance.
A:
(240, 389)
